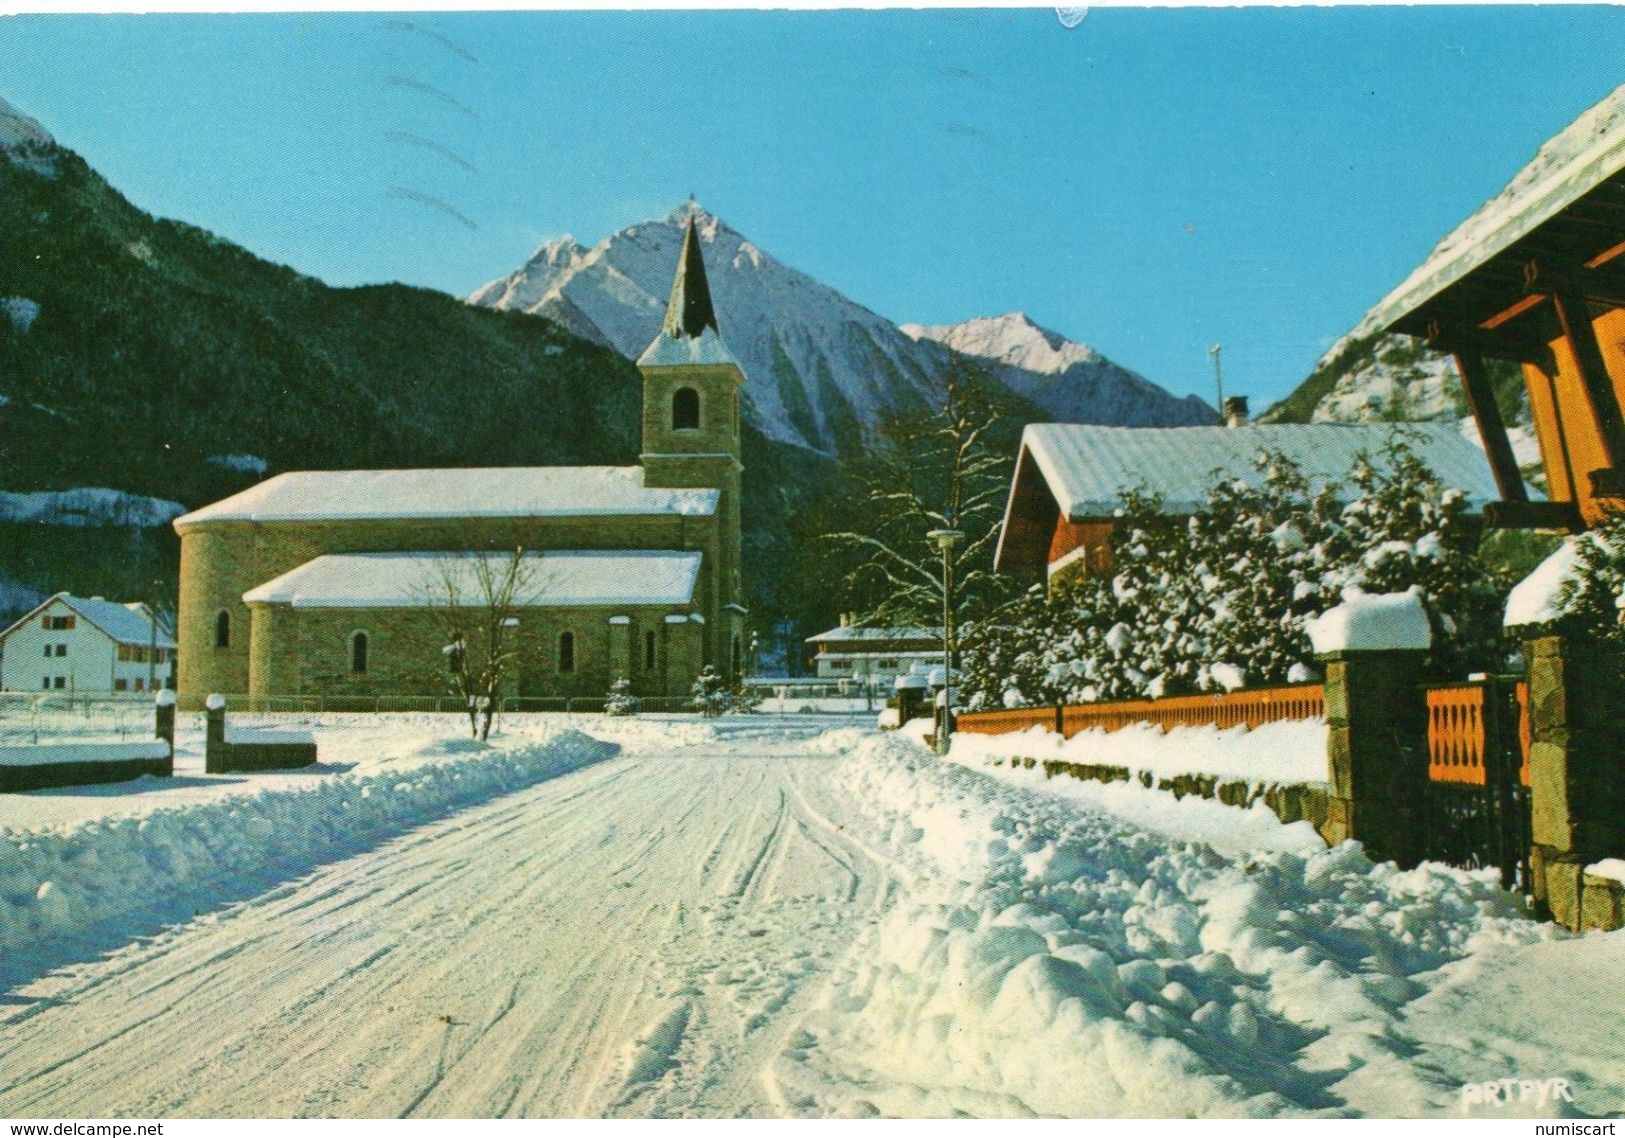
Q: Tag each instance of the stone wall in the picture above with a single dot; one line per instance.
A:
(309, 651)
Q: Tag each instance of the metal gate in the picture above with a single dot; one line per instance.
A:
(1476, 803)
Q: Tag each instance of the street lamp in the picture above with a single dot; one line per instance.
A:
(945, 539)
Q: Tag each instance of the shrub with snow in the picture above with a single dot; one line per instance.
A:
(620, 700)
(1220, 600)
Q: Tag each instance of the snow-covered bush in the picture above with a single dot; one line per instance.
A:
(1592, 596)
(710, 697)
(620, 700)
(1218, 600)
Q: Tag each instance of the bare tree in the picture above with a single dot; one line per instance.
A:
(475, 599)
(943, 468)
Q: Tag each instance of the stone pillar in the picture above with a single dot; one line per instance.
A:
(1577, 796)
(1374, 650)
(214, 748)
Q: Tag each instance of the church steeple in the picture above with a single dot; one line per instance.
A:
(689, 311)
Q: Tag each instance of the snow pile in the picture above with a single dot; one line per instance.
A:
(1367, 622)
(1053, 961)
(87, 506)
(102, 881)
(1272, 754)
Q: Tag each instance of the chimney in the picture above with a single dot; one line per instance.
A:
(846, 620)
(1235, 411)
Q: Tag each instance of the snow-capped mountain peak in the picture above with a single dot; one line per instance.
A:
(25, 142)
(1013, 338)
(819, 369)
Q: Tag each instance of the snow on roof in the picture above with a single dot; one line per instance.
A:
(848, 632)
(123, 624)
(1088, 468)
(406, 580)
(492, 492)
(1372, 622)
(1573, 162)
(666, 350)
(1534, 600)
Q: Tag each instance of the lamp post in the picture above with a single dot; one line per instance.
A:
(945, 539)
(1218, 378)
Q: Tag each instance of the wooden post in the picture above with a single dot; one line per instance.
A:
(1481, 398)
(164, 727)
(1575, 319)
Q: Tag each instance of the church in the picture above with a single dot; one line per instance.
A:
(338, 582)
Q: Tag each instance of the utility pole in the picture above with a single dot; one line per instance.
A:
(1218, 378)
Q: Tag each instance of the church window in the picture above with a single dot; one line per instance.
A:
(648, 651)
(685, 409)
(567, 651)
(358, 652)
(222, 630)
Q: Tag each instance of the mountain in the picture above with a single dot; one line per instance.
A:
(1071, 382)
(154, 360)
(820, 368)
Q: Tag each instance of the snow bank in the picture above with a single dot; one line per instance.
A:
(1274, 753)
(1612, 868)
(101, 882)
(1368, 622)
(1049, 960)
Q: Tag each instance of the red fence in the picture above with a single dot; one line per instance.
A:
(1457, 736)
(1242, 708)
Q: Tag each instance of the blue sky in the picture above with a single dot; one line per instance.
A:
(1149, 182)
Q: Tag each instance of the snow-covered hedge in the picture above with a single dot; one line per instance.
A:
(1220, 600)
(62, 888)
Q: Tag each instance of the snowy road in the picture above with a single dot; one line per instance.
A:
(758, 918)
(634, 938)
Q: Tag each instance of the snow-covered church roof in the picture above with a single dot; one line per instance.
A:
(1088, 468)
(489, 492)
(415, 580)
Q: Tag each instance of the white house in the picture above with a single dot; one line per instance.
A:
(73, 643)
(879, 655)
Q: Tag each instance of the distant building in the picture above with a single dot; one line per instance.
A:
(1537, 277)
(877, 655)
(324, 582)
(83, 644)
(1071, 477)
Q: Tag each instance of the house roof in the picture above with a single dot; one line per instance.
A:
(411, 580)
(491, 492)
(124, 624)
(848, 634)
(1080, 472)
(1574, 163)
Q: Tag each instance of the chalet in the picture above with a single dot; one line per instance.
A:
(1071, 477)
(82, 644)
(1537, 276)
(878, 655)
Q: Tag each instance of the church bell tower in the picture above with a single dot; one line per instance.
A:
(691, 394)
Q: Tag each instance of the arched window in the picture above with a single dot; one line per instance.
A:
(567, 651)
(685, 409)
(358, 652)
(222, 630)
(648, 651)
